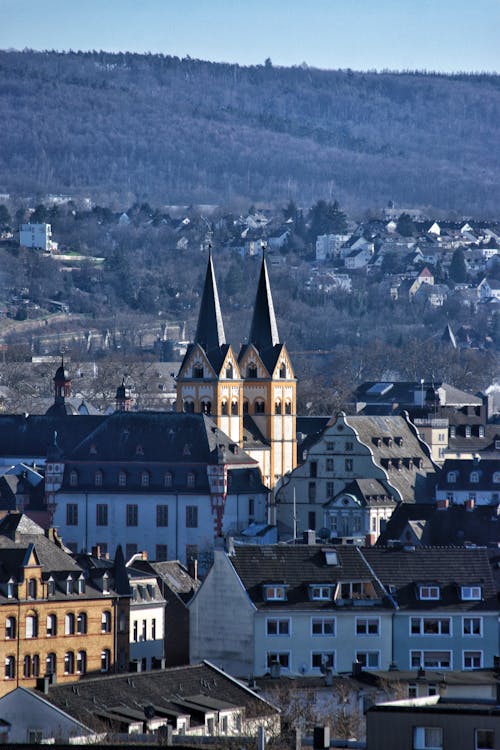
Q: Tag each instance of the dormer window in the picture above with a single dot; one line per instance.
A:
(474, 477)
(190, 479)
(481, 431)
(139, 450)
(453, 431)
(320, 593)
(105, 584)
(428, 592)
(73, 478)
(167, 479)
(198, 371)
(11, 589)
(70, 586)
(122, 479)
(81, 585)
(145, 479)
(468, 431)
(275, 593)
(351, 590)
(451, 477)
(32, 588)
(471, 593)
(98, 478)
(51, 587)
(496, 477)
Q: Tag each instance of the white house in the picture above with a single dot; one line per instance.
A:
(38, 236)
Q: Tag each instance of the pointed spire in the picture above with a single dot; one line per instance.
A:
(210, 330)
(264, 330)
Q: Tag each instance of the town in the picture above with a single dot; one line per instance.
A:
(218, 562)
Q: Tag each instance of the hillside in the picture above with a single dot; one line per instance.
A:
(158, 128)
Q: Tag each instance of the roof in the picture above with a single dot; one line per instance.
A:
(369, 492)
(460, 474)
(174, 577)
(296, 567)
(264, 329)
(169, 689)
(31, 436)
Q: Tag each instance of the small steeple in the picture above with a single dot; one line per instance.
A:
(264, 330)
(122, 400)
(62, 383)
(210, 330)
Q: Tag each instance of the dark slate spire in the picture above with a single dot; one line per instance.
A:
(264, 331)
(210, 329)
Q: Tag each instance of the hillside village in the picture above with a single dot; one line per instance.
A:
(357, 552)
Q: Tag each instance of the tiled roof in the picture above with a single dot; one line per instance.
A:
(465, 470)
(32, 435)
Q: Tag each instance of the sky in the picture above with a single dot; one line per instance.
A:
(442, 35)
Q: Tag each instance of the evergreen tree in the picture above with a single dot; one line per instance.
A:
(458, 267)
(405, 226)
(326, 218)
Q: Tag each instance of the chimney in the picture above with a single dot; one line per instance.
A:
(357, 668)
(309, 537)
(443, 504)
(370, 540)
(96, 551)
(469, 504)
(144, 554)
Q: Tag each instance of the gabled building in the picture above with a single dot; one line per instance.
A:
(470, 482)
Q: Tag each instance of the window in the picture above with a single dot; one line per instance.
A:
(430, 659)
(161, 552)
(496, 477)
(98, 479)
(189, 407)
(198, 371)
(101, 511)
(72, 514)
(429, 592)
(245, 407)
(223, 408)
(190, 479)
(251, 509)
(153, 629)
(234, 408)
(259, 407)
(106, 622)
(144, 636)
(70, 585)
(313, 469)
(311, 520)
(412, 690)
(330, 489)
(349, 446)
(330, 446)
(277, 407)
(191, 516)
(81, 623)
(277, 626)
(252, 371)
(35, 666)
(311, 492)
(329, 464)
(471, 593)
(11, 590)
(69, 662)
(167, 479)
(229, 371)
(130, 550)
(31, 626)
(122, 479)
(69, 624)
(427, 738)
(430, 626)
(10, 627)
(321, 593)
(288, 407)
(323, 626)
(323, 659)
(472, 659)
(51, 626)
(474, 477)
(351, 589)
(348, 464)
(135, 629)
(484, 739)
(468, 431)
(451, 477)
(10, 667)
(472, 626)
(32, 588)
(105, 660)
(50, 664)
(191, 552)
(283, 370)
(81, 585)
(132, 515)
(367, 626)
(206, 407)
(73, 478)
(81, 662)
(275, 593)
(368, 659)
(278, 657)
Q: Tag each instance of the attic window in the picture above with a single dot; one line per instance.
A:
(428, 592)
(98, 479)
(145, 479)
(122, 479)
(283, 370)
(186, 451)
(320, 593)
(451, 477)
(275, 593)
(331, 557)
(73, 478)
(92, 450)
(167, 479)
(229, 371)
(139, 451)
(198, 371)
(468, 431)
(474, 477)
(470, 593)
(252, 371)
(190, 480)
(481, 431)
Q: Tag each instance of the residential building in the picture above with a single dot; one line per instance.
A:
(470, 482)
(37, 236)
(146, 619)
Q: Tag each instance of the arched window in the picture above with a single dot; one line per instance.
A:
(50, 664)
(234, 408)
(81, 662)
(73, 478)
(451, 477)
(223, 408)
(474, 477)
(69, 662)
(197, 370)
(468, 431)
(453, 431)
(51, 626)
(122, 479)
(288, 407)
(206, 407)
(145, 479)
(105, 660)
(189, 407)
(229, 371)
(106, 622)
(10, 667)
(27, 666)
(252, 371)
(98, 478)
(259, 407)
(167, 479)
(481, 431)
(32, 588)
(277, 407)
(31, 626)
(35, 666)
(245, 407)
(69, 624)
(81, 623)
(283, 370)
(10, 627)
(81, 585)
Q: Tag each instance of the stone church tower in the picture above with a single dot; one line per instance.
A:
(251, 398)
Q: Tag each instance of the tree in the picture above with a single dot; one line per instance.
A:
(4, 216)
(458, 267)
(405, 226)
(326, 218)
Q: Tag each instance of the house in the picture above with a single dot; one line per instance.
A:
(424, 277)
(146, 618)
(38, 236)
(383, 449)
(58, 620)
(328, 246)
(189, 702)
(433, 722)
(470, 482)
(488, 288)
(358, 510)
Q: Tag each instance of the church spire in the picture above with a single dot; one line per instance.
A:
(210, 329)
(264, 330)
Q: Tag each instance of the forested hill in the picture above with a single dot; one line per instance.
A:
(167, 130)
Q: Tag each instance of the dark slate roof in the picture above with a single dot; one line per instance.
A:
(264, 330)
(170, 689)
(17, 531)
(369, 492)
(210, 330)
(174, 578)
(252, 436)
(296, 566)
(26, 436)
(463, 468)
(448, 567)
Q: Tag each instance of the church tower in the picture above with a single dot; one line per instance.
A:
(269, 386)
(209, 380)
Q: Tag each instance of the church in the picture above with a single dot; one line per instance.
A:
(251, 397)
